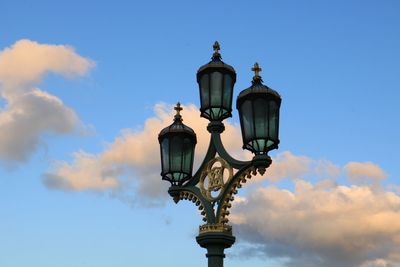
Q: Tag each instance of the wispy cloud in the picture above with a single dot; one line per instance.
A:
(364, 170)
(29, 112)
(132, 161)
(286, 165)
(321, 224)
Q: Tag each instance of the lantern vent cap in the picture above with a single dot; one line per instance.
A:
(257, 86)
(216, 62)
(177, 126)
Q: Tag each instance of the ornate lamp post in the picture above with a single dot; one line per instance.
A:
(213, 186)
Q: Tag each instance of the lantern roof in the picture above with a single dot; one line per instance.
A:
(177, 126)
(216, 62)
(257, 86)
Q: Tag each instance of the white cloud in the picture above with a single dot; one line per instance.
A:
(328, 225)
(376, 263)
(29, 112)
(322, 224)
(286, 165)
(26, 117)
(364, 170)
(139, 152)
(26, 62)
(95, 176)
(325, 168)
(132, 160)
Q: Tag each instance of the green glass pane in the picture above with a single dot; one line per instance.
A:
(261, 118)
(177, 176)
(269, 143)
(262, 145)
(215, 113)
(273, 120)
(228, 88)
(216, 89)
(247, 120)
(165, 155)
(205, 90)
(176, 150)
(187, 156)
(254, 145)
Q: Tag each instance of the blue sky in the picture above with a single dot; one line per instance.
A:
(96, 82)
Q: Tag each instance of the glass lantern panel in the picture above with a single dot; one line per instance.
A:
(270, 143)
(215, 113)
(227, 100)
(261, 118)
(247, 120)
(176, 154)
(187, 156)
(177, 176)
(216, 89)
(254, 146)
(273, 120)
(205, 90)
(165, 155)
(260, 146)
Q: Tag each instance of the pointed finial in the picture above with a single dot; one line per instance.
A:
(216, 47)
(256, 68)
(216, 55)
(178, 110)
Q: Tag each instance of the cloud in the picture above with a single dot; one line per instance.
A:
(375, 263)
(137, 153)
(287, 165)
(29, 111)
(26, 62)
(132, 161)
(94, 176)
(317, 224)
(325, 226)
(26, 118)
(364, 170)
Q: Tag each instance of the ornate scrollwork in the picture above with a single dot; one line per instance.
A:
(212, 178)
(229, 197)
(215, 227)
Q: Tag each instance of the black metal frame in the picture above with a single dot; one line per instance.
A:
(216, 235)
(244, 170)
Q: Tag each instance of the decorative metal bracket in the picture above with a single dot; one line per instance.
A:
(212, 178)
(214, 185)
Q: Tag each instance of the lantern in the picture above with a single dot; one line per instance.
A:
(258, 108)
(216, 80)
(177, 144)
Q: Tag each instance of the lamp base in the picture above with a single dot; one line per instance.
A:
(215, 243)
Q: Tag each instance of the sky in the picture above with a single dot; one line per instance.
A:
(86, 86)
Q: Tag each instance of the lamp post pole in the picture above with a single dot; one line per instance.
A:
(213, 186)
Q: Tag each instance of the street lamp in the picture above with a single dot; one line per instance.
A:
(213, 186)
